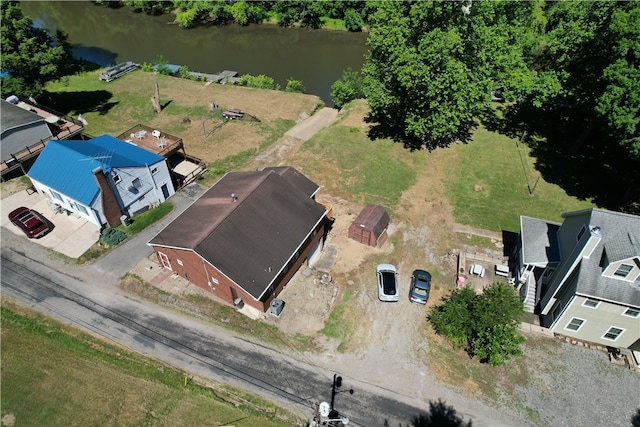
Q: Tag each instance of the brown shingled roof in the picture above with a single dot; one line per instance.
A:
(249, 237)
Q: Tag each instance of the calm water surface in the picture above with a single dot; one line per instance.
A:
(109, 36)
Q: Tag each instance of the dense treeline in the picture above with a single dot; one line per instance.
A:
(286, 13)
(567, 72)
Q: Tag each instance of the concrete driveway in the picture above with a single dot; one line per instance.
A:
(71, 236)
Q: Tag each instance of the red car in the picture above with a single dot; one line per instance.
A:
(31, 222)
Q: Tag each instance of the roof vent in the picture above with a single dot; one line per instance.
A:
(595, 230)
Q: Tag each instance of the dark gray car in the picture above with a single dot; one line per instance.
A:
(420, 287)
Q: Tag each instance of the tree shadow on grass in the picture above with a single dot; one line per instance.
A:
(80, 102)
(569, 152)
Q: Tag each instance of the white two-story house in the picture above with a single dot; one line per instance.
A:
(103, 180)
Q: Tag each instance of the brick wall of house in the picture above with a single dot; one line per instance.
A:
(196, 270)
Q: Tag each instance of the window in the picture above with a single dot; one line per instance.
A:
(632, 312)
(116, 178)
(56, 195)
(136, 183)
(581, 232)
(81, 208)
(575, 324)
(592, 303)
(154, 171)
(623, 270)
(613, 333)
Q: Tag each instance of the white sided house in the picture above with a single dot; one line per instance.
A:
(583, 276)
(103, 180)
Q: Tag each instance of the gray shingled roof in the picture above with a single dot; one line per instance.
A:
(539, 241)
(249, 238)
(620, 234)
(13, 116)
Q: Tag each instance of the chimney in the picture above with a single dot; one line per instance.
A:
(110, 205)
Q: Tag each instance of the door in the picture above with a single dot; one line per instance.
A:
(165, 191)
(164, 259)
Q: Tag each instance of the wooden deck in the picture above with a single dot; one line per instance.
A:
(184, 168)
(62, 128)
(152, 140)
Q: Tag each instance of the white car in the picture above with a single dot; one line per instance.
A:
(387, 276)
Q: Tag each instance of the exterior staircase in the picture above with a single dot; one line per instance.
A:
(530, 297)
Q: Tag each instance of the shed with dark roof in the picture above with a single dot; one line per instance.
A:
(370, 226)
(246, 236)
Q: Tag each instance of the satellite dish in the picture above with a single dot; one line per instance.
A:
(324, 409)
(345, 420)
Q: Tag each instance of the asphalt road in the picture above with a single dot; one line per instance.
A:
(88, 298)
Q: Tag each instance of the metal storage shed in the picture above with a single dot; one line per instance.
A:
(370, 227)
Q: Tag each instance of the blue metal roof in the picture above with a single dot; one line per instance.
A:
(66, 166)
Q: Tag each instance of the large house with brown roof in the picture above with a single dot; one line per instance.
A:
(246, 236)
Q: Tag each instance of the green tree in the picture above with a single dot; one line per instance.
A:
(150, 7)
(353, 21)
(453, 318)
(240, 12)
(431, 65)
(347, 88)
(497, 344)
(485, 325)
(287, 12)
(30, 56)
(594, 50)
(311, 13)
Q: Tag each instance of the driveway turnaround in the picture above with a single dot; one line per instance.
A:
(71, 236)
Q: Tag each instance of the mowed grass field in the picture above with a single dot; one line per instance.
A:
(53, 375)
(57, 376)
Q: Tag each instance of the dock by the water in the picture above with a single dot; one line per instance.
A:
(223, 77)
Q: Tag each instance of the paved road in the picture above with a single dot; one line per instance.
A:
(197, 348)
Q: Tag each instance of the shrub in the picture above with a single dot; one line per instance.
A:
(485, 325)
(348, 88)
(113, 236)
(294, 86)
(260, 82)
(353, 21)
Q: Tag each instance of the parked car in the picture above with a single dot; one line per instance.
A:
(420, 287)
(30, 222)
(387, 283)
(497, 96)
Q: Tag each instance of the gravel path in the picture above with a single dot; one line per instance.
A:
(577, 386)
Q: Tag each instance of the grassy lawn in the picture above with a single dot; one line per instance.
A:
(89, 382)
(489, 185)
(139, 223)
(345, 162)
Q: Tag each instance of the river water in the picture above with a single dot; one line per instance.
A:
(109, 36)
